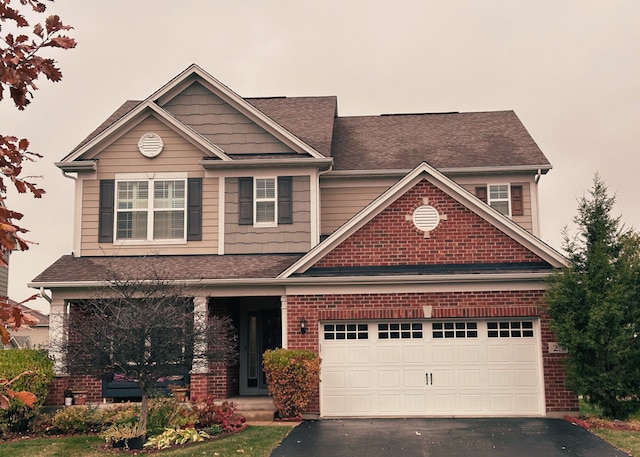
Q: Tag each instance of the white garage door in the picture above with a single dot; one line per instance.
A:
(434, 368)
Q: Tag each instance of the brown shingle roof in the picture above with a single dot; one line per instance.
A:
(309, 118)
(452, 140)
(117, 114)
(186, 267)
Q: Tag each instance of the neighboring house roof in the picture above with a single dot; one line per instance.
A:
(447, 141)
(93, 270)
(450, 140)
(20, 342)
(43, 319)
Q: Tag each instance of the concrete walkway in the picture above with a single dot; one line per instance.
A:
(518, 437)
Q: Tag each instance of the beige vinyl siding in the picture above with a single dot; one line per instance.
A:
(247, 239)
(526, 220)
(123, 157)
(222, 124)
(340, 200)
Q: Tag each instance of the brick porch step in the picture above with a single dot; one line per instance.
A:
(255, 409)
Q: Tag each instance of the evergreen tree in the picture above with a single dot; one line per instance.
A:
(594, 305)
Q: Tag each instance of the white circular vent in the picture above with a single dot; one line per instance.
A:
(426, 218)
(150, 144)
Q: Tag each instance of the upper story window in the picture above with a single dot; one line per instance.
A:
(265, 201)
(165, 208)
(503, 197)
(265, 209)
(150, 210)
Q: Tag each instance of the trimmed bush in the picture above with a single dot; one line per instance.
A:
(13, 362)
(293, 377)
(77, 419)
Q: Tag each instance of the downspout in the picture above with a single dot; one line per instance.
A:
(75, 185)
(45, 296)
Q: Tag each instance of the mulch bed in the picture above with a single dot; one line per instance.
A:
(592, 422)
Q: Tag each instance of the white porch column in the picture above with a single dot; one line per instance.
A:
(200, 310)
(285, 324)
(58, 334)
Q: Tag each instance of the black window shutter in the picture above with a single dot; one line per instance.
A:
(517, 203)
(481, 193)
(194, 209)
(285, 199)
(245, 201)
(106, 209)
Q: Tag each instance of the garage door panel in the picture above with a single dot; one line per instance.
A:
(389, 378)
(469, 378)
(526, 378)
(499, 378)
(359, 355)
(359, 379)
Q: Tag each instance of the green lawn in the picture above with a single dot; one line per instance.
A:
(622, 439)
(255, 441)
(628, 441)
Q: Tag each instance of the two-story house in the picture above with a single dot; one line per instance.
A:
(402, 248)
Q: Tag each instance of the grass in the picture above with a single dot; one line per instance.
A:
(626, 440)
(255, 441)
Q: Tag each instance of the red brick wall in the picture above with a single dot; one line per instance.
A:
(316, 308)
(389, 239)
(93, 388)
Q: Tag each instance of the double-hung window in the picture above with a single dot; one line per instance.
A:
(150, 209)
(499, 198)
(265, 208)
(508, 199)
(265, 201)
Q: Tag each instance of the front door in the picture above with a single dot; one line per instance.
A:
(261, 329)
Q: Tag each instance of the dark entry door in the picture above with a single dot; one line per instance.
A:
(263, 331)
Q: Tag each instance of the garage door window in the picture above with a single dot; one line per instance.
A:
(455, 330)
(346, 331)
(514, 329)
(405, 330)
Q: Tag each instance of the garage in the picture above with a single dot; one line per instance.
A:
(452, 367)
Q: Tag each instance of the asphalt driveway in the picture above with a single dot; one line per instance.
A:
(536, 437)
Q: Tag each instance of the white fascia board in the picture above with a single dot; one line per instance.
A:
(243, 284)
(448, 186)
(323, 163)
(453, 170)
(197, 139)
(239, 103)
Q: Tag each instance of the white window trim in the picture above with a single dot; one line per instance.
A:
(150, 178)
(508, 199)
(274, 223)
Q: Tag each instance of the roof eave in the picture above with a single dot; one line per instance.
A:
(542, 169)
(338, 280)
(77, 166)
(320, 163)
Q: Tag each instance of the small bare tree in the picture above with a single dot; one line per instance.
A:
(144, 329)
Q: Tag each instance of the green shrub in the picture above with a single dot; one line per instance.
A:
(16, 418)
(76, 419)
(293, 377)
(168, 413)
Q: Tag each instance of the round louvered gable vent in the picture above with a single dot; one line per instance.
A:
(426, 218)
(150, 144)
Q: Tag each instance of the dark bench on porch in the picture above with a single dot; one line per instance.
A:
(122, 389)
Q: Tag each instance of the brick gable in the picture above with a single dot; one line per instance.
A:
(391, 240)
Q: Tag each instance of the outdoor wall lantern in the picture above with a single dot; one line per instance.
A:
(303, 325)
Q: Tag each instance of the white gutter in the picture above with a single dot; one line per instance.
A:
(539, 169)
(308, 281)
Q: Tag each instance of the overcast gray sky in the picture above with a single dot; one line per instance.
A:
(569, 69)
